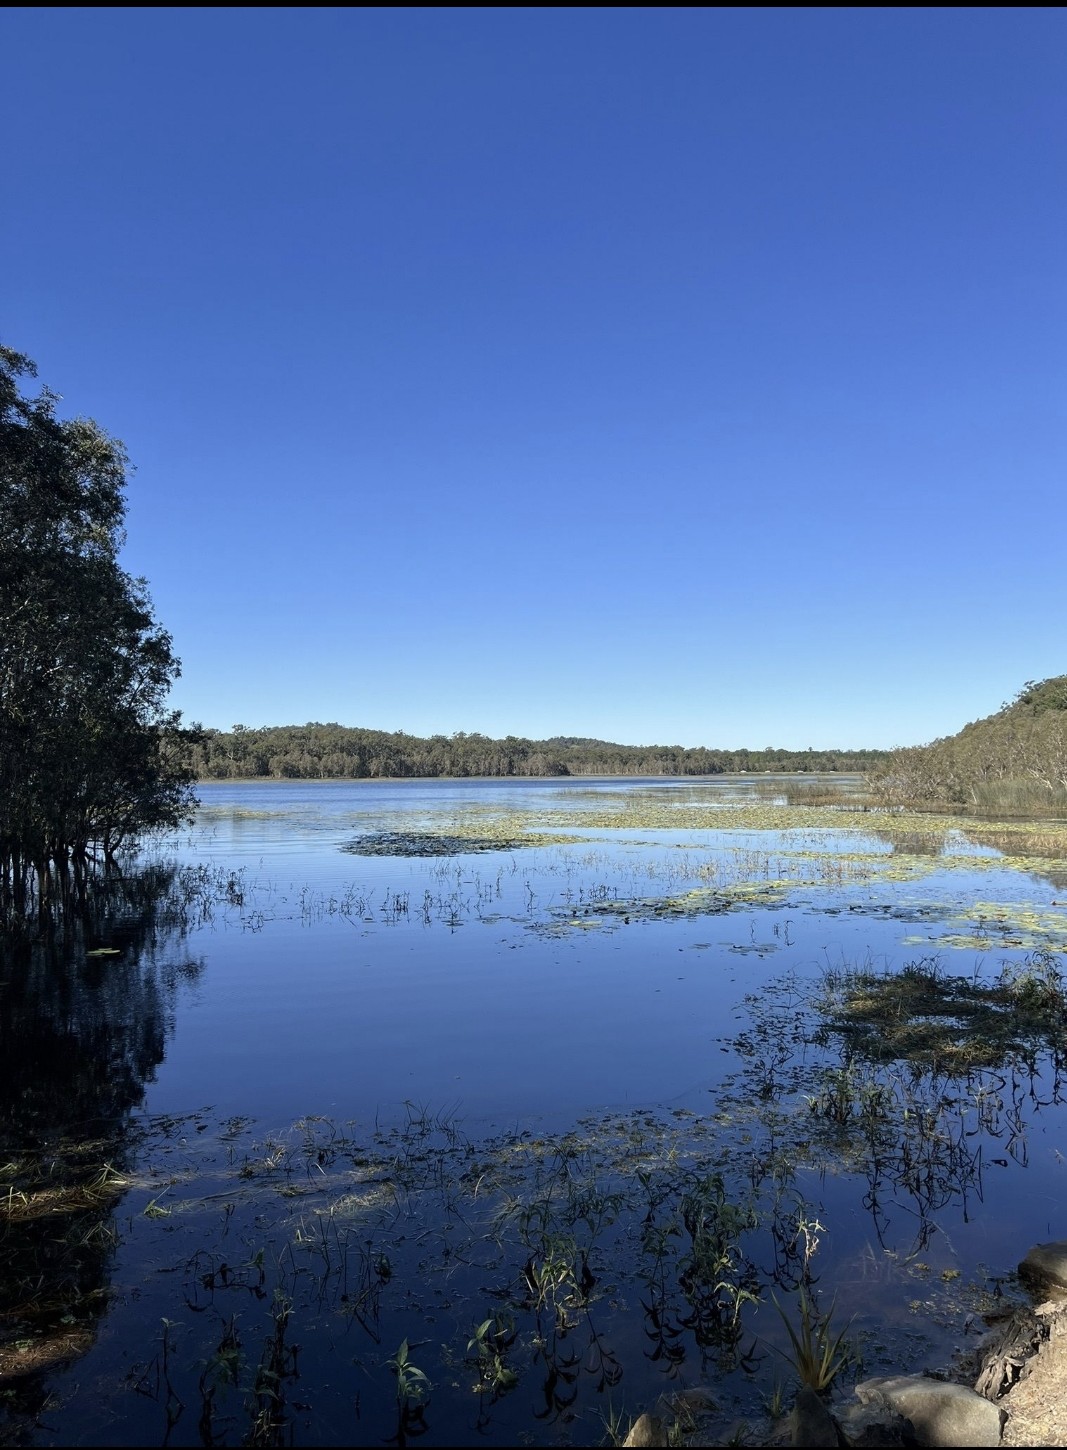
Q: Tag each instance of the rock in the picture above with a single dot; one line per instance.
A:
(811, 1423)
(1046, 1265)
(875, 1423)
(697, 1399)
(647, 1430)
(941, 1413)
(1050, 1308)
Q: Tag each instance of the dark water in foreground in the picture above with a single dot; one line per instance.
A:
(557, 1118)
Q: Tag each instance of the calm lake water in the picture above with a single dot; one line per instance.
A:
(355, 1096)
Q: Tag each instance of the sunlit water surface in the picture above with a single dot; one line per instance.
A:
(515, 995)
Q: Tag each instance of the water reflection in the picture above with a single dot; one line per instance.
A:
(916, 1081)
(1035, 846)
(639, 1241)
(86, 1012)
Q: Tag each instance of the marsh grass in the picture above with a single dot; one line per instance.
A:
(820, 792)
(574, 882)
(1020, 797)
(925, 1016)
(1041, 840)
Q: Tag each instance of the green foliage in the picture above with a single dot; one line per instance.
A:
(489, 1344)
(1013, 761)
(1036, 986)
(1044, 695)
(89, 755)
(316, 751)
(713, 1273)
(818, 1355)
(412, 1384)
(277, 1365)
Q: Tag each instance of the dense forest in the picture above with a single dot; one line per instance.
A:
(1015, 759)
(316, 752)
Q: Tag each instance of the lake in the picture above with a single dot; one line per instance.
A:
(377, 1110)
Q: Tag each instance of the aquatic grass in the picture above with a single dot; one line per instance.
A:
(1020, 796)
(570, 1235)
(923, 1014)
(431, 843)
(820, 792)
(818, 1353)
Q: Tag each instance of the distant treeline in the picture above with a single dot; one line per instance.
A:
(316, 752)
(1015, 760)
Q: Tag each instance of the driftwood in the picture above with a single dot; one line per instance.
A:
(1007, 1354)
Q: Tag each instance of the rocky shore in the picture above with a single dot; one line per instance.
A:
(1011, 1390)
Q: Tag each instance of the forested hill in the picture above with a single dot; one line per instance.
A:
(314, 752)
(1014, 759)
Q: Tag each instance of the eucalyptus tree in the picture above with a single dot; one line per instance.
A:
(90, 756)
(1015, 759)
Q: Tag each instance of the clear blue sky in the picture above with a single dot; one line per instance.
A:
(664, 375)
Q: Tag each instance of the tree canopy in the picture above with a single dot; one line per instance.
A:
(1015, 759)
(90, 756)
(316, 751)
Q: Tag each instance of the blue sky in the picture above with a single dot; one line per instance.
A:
(676, 376)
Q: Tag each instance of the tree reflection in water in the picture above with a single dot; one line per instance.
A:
(85, 1011)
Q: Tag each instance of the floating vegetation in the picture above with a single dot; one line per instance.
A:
(701, 901)
(436, 843)
(989, 924)
(925, 1016)
(696, 810)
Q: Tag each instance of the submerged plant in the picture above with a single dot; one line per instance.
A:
(714, 1275)
(277, 1364)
